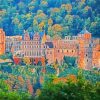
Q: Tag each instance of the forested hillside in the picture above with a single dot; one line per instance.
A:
(63, 17)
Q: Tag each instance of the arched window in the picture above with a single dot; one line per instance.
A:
(87, 60)
(58, 51)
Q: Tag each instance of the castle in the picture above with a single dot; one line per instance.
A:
(39, 45)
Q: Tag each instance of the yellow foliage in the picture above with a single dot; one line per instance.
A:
(83, 1)
(28, 16)
(57, 28)
(68, 7)
(72, 78)
(38, 92)
(55, 65)
(27, 60)
(20, 78)
(35, 22)
(2, 12)
(56, 37)
(50, 21)
(41, 25)
(65, 79)
(42, 15)
(87, 8)
(58, 80)
(16, 20)
(56, 10)
(44, 3)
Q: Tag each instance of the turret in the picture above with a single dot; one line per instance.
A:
(85, 50)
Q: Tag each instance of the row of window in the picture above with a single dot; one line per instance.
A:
(71, 38)
(31, 46)
(31, 42)
(61, 51)
(33, 53)
(64, 51)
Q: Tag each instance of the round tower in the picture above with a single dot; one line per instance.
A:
(2, 42)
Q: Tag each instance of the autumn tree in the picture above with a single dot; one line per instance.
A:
(17, 60)
(27, 60)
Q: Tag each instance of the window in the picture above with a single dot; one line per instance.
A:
(87, 60)
(62, 51)
(58, 51)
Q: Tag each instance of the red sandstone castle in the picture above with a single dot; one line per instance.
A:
(40, 46)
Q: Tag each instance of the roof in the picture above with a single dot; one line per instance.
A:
(84, 31)
(31, 34)
(50, 44)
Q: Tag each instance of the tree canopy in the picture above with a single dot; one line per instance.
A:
(67, 16)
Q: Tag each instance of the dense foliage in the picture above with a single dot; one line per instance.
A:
(63, 17)
(7, 94)
(26, 80)
(75, 88)
(79, 90)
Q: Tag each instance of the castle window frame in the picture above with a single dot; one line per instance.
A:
(67, 51)
(58, 51)
(87, 60)
(62, 51)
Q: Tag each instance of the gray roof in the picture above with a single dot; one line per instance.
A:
(84, 31)
(50, 44)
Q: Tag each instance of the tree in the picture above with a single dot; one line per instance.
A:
(39, 63)
(50, 22)
(17, 60)
(57, 29)
(56, 64)
(27, 61)
(67, 91)
(35, 25)
(30, 87)
(68, 7)
(70, 61)
(6, 93)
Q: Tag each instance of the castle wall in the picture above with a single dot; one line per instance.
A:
(96, 53)
(83, 47)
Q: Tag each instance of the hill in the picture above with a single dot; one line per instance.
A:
(62, 17)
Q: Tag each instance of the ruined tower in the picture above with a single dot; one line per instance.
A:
(85, 50)
(2, 42)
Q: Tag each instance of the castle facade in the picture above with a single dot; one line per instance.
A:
(38, 46)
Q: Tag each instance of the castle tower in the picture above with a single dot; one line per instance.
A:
(85, 50)
(2, 42)
(44, 38)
